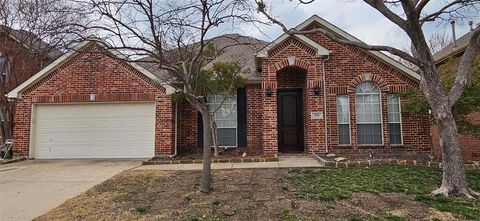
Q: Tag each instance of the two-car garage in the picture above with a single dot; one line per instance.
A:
(93, 130)
(87, 104)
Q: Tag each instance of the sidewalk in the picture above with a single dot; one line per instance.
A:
(283, 162)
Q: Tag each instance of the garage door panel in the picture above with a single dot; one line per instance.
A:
(95, 130)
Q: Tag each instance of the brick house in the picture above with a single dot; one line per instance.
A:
(22, 54)
(304, 94)
(468, 142)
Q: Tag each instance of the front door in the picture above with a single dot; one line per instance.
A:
(290, 121)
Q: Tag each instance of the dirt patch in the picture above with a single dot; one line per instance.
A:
(255, 194)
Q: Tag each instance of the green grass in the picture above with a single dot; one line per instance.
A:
(418, 181)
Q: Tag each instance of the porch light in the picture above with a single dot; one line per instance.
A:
(269, 92)
(316, 90)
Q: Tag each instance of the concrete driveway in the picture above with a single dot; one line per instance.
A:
(31, 188)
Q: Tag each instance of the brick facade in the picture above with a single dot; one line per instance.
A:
(110, 79)
(468, 142)
(291, 64)
(345, 68)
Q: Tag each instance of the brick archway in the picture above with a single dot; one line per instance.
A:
(382, 83)
(291, 61)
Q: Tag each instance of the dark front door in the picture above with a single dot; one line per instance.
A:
(290, 121)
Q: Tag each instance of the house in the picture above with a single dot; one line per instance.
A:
(304, 94)
(22, 54)
(469, 142)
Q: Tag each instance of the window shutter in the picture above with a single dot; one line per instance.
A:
(199, 130)
(241, 117)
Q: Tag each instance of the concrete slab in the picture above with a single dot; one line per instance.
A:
(287, 162)
(283, 162)
(33, 187)
(255, 165)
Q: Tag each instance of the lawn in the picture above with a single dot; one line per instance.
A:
(374, 193)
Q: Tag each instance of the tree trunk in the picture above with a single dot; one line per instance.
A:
(453, 181)
(7, 109)
(205, 183)
(216, 151)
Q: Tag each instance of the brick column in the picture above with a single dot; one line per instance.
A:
(270, 125)
(164, 125)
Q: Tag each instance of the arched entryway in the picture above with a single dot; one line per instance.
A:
(291, 82)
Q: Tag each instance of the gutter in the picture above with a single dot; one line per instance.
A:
(325, 102)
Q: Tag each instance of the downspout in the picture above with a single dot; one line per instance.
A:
(325, 102)
(175, 133)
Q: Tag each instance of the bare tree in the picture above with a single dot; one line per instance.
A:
(437, 41)
(174, 37)
(32, 31)
(410, 15)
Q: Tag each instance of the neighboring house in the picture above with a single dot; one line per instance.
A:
(303, 94)
(469, 143)
(22, 54)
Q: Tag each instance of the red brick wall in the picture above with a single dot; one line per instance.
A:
(23, 63)
(187, 128)
(254, 119)
(92, 73)
(345, 68)
(469, 143)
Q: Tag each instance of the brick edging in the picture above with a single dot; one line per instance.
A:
(343, 164)
(199, 161)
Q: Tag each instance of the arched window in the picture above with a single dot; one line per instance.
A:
(368, 114)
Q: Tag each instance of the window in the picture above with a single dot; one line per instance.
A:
(225, 117)
(394, 119)
(368, 114)
(4, 68)
(343, 119)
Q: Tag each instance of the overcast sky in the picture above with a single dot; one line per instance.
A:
(353, 16)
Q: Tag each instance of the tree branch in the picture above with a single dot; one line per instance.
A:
(465, 67)
(336, 39)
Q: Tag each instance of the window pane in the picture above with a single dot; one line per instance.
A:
(395, 133)
(227, 136)
(225, 117)
(343, 109)
(394, 114)
(369, 134)
(343, 134)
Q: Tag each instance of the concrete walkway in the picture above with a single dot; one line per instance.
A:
(33, 187)
(283, 162)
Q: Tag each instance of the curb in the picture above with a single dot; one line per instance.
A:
(2, 162)
(225, 160)
(344, 164)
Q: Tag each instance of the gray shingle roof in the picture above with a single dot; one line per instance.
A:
(452, 49)
(234, 47)
(32, 42)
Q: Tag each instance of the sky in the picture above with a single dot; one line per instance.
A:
(353, 16)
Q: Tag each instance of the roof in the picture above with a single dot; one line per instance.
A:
(453, 48)
(32, 42)
(320, 51)
(334, 29)
(17, 92)
(234, 47)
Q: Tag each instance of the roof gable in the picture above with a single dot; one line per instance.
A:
(334, 29)
(320, 51)
(17, 92)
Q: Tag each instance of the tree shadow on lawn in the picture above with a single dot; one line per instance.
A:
(375, 193)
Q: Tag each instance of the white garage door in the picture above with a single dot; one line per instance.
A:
(109, 130)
